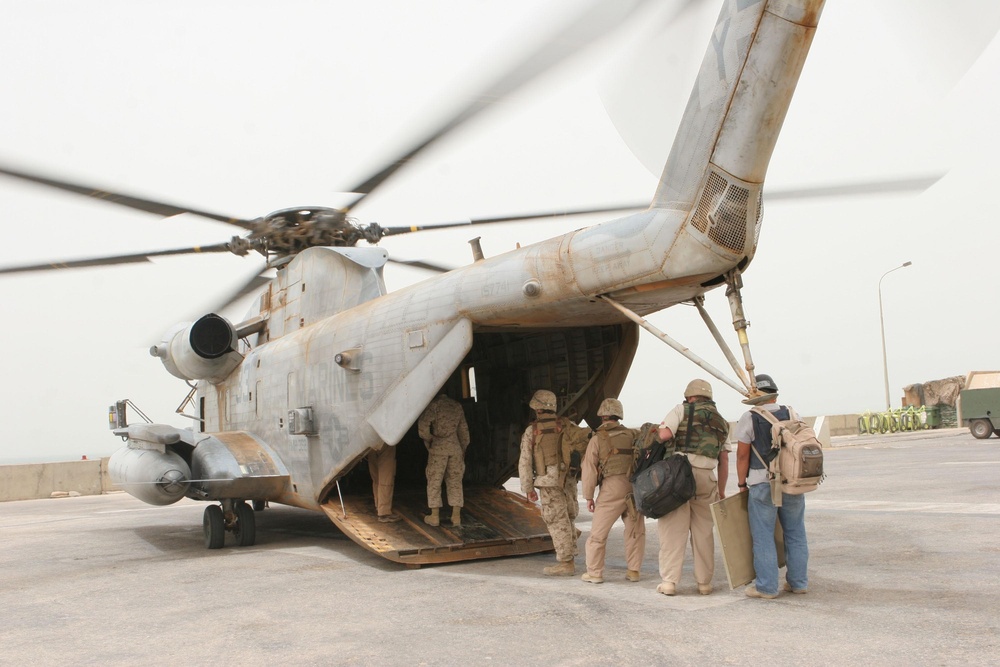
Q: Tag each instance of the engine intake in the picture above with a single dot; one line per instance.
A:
(204, 350)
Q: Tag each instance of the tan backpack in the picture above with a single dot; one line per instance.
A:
(798, 463)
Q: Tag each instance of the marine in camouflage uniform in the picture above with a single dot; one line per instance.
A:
(708, 453)
(545, 463)
(443, 429)
(607, 464)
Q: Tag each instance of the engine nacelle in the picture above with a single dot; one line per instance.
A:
(152, 476)
(204, 350)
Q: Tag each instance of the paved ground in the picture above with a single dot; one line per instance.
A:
(904, 570)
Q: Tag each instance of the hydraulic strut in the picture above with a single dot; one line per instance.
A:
(734, 282)
(688, 354)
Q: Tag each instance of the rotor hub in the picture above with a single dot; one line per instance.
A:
(292, 230)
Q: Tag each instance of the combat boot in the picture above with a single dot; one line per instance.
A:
(456, 516)
(592, 579)
(667, 588)
(560, 569)
(434, 518)
(632, 575)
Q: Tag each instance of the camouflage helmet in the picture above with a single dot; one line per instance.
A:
(611, 407)
(766, 384)
(698, 388)
(543, 400)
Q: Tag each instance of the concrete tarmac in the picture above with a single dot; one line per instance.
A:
(904, 569)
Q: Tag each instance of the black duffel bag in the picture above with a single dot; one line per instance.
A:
(663, 486)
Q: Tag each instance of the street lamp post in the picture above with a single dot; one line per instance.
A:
(881, 321)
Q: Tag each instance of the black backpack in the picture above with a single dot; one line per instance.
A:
(660, 485)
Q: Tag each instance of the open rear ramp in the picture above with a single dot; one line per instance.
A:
(495, 522)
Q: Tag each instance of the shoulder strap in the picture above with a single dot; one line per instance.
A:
(766, 414)
(760, 458)
(690, 416)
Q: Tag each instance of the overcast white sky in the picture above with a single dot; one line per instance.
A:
(247, 107)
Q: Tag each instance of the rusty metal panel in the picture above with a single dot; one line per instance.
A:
(495, 522)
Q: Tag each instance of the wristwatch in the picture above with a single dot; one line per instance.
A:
(742, 486)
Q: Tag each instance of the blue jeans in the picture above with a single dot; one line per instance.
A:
(792, 514)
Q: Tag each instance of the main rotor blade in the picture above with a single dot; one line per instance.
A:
(600, 19)
(393, 231)
(915, 184)
(255, 282)
(137, 258)
(422, 265)
(129, 201)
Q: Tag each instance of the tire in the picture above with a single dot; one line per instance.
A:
(981, 428)
(258, 505)
(214, 526)
(245, 529)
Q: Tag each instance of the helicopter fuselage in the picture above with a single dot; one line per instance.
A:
(336, 366)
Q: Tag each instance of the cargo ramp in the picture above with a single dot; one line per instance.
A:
(495, 522)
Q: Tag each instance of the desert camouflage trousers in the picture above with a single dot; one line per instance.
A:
(572, 498)
(556, 512)
(447, 466)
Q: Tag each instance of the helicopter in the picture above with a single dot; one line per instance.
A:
(328, 366)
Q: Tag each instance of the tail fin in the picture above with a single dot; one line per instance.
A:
(724, 143)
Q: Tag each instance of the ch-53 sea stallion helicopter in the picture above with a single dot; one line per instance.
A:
(328, 367)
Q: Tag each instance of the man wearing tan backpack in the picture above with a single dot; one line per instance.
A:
(754, 451)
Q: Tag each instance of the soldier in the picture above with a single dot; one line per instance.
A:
(382, 468)
(700, 432)
(445, 433)
(608, 464)
(547, 449)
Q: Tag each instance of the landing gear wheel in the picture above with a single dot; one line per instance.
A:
(214, 526)
(981, 428)
(245, 529)
(258, 505)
